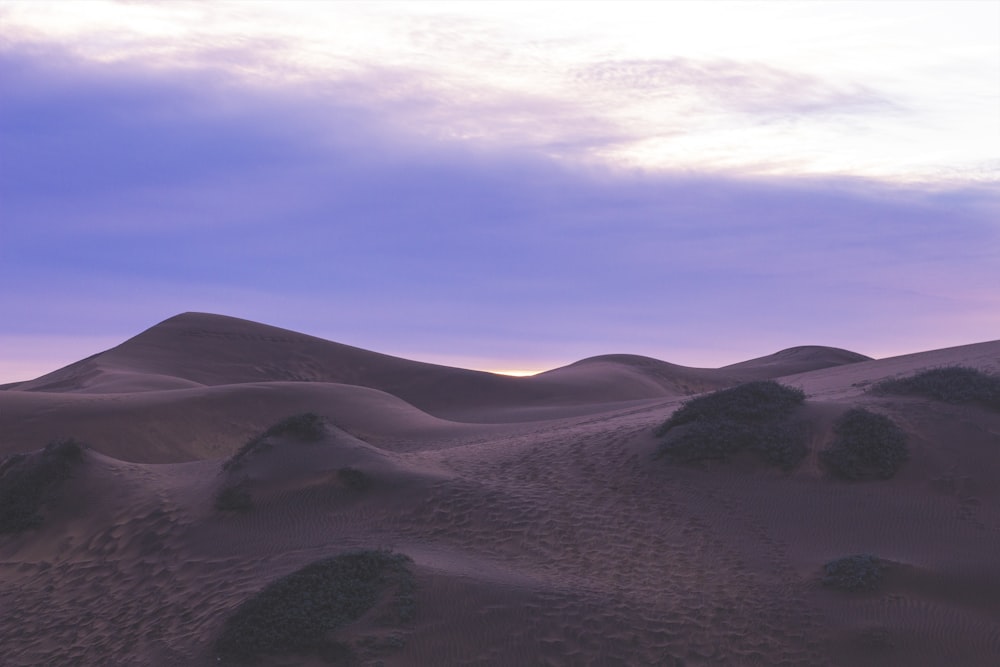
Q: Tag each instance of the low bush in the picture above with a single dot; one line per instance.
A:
(753, 417)
(306, 426)
(296, 613)
(781, 444)
(249, 448)
(234, 498)
(355, 479)
(861, 572)
(952, 384)
(866, 445)
(27, 482)
(763, 400)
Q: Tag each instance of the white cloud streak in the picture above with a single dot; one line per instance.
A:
(893, 90)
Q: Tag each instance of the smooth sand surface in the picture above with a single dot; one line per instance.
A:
(543, 531)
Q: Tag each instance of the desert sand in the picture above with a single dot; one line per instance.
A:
(541, 528)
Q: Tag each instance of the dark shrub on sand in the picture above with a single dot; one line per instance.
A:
(234, 498)
(758, 401)
(28, 480)
(862, 572)
(297, 613)
(866, 445)
(952, 384)
(306, 426)
(753, 417)
(355, 479)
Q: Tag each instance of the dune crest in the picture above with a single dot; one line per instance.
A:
(199, 349)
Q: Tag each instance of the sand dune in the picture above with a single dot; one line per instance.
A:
(199, 349)
(541, 529)
(794, 360)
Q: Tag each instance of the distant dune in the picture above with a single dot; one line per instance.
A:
(795, 360)
(541, 528)
(202, 350)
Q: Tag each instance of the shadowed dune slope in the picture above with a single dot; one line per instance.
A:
(208, 422)
(848, 379)
(198, 349)
(794, 360)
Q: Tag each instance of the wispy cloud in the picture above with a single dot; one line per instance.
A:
(751, 88)
(830, 89)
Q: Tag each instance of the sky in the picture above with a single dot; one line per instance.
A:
(502, 186)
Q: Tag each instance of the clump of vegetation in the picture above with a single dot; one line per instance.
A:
(951, 384)
(752, 417)
(250, 447)
(861, 572)
(866, 445)
(307, 426)
(27, 482)
(297, 613)
(355, 479)
(762, 400)
(234, 498)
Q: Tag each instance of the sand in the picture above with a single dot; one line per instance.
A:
(541, 528)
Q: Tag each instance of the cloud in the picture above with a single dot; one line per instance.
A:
(750, 88)
(132, 193)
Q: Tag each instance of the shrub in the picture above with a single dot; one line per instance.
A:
(751, 417)
(26, 482)
(861, 572)
(865, 445)
(306, 426)
(355, 479)
(234, 498)
(295, 613)
(249, 448)
(763, 400)
(952, 384)
(780, 444)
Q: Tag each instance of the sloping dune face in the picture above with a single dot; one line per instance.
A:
(542, 533)
(794, 360)
(198, 350)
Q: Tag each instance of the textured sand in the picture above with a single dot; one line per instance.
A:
(542, 531)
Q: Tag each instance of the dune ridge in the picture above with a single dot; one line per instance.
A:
(541, 528)
(201, 349)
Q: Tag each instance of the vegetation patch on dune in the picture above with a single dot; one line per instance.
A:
(753, 417)
(234, 498)
(752, 401)
(951, 384)
(307, 427)
(866, 445)
(297, 613)
(355, 479)
(28, 480)
(861, 572)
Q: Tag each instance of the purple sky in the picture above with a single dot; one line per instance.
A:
(131, 190)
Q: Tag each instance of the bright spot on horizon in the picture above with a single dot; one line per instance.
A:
(515, 373)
